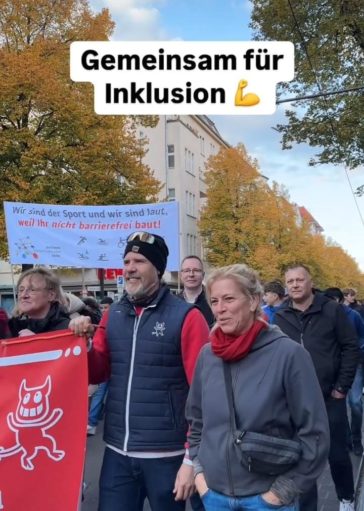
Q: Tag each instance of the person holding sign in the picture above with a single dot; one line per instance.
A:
(147, 345)
(39, 307)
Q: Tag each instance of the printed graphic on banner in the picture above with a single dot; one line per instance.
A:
(31, 422)
(42, 430)
(183, 77)
(85, 236)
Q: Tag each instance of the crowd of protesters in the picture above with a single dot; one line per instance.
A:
(232, 396)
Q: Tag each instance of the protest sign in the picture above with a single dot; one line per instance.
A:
(43, 419)
(85, 236)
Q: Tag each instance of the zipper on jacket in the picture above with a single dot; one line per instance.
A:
(301, 340)
(131, 371)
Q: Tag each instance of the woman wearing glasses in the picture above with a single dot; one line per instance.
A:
(258, 428)
(39, 307)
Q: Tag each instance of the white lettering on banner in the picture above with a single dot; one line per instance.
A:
(86, 236)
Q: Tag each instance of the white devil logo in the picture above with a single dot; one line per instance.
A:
(32, 419)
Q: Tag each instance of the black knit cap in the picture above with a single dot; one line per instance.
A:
(156, 251)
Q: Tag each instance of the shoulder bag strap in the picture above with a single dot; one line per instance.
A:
(230, 395)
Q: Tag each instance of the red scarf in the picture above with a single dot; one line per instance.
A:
(230, 347)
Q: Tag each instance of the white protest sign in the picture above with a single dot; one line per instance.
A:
(85, 236)
(183, 77)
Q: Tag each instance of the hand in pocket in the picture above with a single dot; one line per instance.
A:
(200, 483)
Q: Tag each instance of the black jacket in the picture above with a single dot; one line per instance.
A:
(327, 334)
(56, 319)
(202, 303)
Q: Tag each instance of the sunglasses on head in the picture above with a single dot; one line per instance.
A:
(145, 237)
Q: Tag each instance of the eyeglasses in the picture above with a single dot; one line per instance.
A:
(31, 290)
(191, 270)
(145, 237)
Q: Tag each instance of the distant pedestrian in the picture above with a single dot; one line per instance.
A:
(350, 299)
(273, 298)
(355, 395)
(105, 303)
(4, 327)
(192, 275)
(97, 401)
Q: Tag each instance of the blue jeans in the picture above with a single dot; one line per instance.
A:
(126, 482)
(356, 404)
(214, 501)
(97, 402)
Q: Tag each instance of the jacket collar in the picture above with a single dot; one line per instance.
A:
(319, 300)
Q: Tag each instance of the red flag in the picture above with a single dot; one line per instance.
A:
(43, 420)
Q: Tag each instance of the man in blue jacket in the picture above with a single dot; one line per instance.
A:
(147, 345)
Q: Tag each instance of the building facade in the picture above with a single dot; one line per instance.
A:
(179, 149)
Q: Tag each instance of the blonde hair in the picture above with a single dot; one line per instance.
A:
(245, 277)
(52, 281)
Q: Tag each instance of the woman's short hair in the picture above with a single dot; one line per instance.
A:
(52, 281)
(246, 278)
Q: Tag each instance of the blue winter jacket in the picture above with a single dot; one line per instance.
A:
(148, 386)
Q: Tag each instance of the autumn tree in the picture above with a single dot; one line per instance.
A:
(243, 219)
(53, 147)
(329, 56)
(246, 221)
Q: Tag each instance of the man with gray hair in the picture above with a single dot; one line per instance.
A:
(147, 345)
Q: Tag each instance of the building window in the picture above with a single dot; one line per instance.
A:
(171, 194)
(170, 153)
(202, 145)
(189, 161)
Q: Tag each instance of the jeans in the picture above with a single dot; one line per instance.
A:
(339, 459)
(356, 404)
(97, 403)
(214, 501)
(126, 482)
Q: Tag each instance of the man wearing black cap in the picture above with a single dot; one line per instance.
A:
(147, 344)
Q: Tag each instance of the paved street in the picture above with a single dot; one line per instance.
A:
(327, 497)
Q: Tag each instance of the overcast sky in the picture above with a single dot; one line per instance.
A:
(323, 190)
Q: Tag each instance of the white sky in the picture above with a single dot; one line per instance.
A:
(323, 190)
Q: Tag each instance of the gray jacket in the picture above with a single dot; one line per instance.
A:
(276, 392)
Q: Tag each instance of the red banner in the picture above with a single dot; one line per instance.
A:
(43, 420)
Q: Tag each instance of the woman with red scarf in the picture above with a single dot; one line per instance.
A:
(274, 397)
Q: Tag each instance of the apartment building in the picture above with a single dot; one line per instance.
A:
(179, 148)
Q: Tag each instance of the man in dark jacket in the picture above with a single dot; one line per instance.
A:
(322, 327)
(192, 274)
(147, 345)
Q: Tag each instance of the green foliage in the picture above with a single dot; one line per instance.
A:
(329, 39)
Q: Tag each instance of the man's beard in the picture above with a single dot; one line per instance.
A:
(142, 293)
